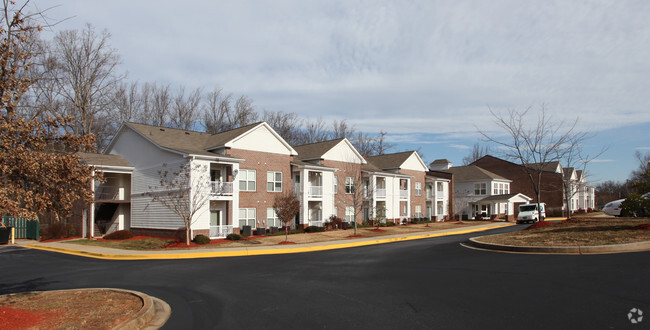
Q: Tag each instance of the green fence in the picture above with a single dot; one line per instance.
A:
(24, 228)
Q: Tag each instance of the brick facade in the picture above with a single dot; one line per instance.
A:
(343, 199)
(551, 187)
(261, 162)
(417, 200)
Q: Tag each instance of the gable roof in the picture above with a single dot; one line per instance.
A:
(553, 166)
(316, 150)
(193, 142)
(505, 197)
(103, 159)
(395, 160)
(473, 173)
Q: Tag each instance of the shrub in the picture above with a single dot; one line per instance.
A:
(233, 237)
(201, 239)
(336, 221)
(478, 217)
(120, 234)
(179, 235)
(72, 230)
(635, 206)
(56, 230)
(314, 229)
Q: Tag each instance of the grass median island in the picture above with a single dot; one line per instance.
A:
(141, 243)
(577, 232)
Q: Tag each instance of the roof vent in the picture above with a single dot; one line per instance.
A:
(188, 133)
(162, 129)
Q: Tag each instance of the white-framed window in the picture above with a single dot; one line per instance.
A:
(274, 181)
(247, 180)
(247, 217)
(349, 213)
(496, 189)
(418, 189)
(336, 184)
(440, 187)
(440, 206)
(349, 185)
(506, 188)
(418, 211)
(272, 219)
(480, 189)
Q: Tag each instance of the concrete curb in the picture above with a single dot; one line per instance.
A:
(577, 249)
(153, 314)
(275, 249)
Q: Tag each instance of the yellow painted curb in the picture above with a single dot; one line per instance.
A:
(246, 252)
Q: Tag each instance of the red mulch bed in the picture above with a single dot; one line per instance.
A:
(132, 238)
(459, 223)
(642, 227)
(377, 230)
(540, 224)
(23, 319)
(286, 242)
(352, 236)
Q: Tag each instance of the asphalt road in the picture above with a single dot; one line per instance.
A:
(429, 283)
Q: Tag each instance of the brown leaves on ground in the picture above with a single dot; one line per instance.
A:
(69, 309)
(595, 231)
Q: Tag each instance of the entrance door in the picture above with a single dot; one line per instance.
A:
(215, 223)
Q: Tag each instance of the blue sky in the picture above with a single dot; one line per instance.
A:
(427, 72)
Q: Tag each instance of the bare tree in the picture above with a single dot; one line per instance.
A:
(160, 105)
(314, 131)
(216, 112)
(127, 103)
(477, 152)
(244, 113)
(341, 129)
(185, 110)
(382, 146)
(184, 190)
(83, 69)
(287, 124)
(286, 206)
(534, 142)
(357, 190)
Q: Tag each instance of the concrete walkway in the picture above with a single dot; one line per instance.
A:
(212, 252)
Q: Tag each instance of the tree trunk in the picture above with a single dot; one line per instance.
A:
(187, 235)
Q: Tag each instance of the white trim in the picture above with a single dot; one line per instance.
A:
(229, 144)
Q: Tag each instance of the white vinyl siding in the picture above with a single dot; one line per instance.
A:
(480, 189)
(274, 181)
(247, 180)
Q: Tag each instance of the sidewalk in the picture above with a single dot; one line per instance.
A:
(118, 254)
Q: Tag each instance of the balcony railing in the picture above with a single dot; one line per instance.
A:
(221, 188)
(380, 193)
(316, 191)
(104, 192)
(221, 231)
(403, 194)
(316, 223)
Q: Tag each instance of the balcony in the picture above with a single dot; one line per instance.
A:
(316, 191)
(106, 193)
(380, 193)
(220, 231)
(403, 194)
(221, 188)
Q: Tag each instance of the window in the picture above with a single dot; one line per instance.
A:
(418, 211)
(366, 187)
(336, 184)
(349, 213)
(418, 189)
(349, 185)
(480, 189)
(274, 181)
(440, 206)
(506, 188)
(440, 187)
(496, 189)
(272, 219)
(247, 180)
(247, 217)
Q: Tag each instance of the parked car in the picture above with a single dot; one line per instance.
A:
(613, 207)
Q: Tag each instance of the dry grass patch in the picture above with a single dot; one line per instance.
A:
(578, 232)
(70, 309)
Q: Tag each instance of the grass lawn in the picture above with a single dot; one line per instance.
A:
(130, 244)
(578, 231)
(333, 235)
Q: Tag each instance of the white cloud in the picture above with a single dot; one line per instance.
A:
(460, 146)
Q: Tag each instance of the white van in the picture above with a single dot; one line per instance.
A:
(529, 213)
